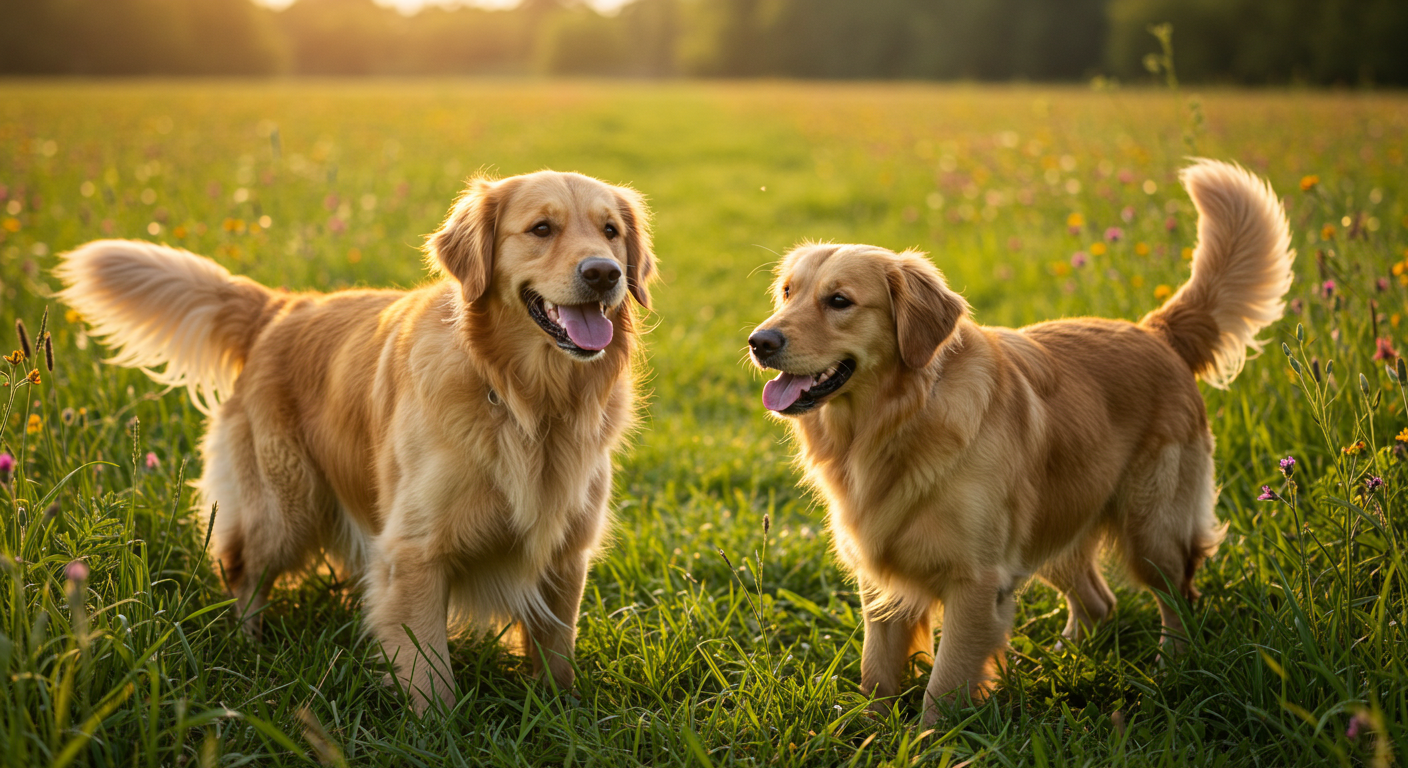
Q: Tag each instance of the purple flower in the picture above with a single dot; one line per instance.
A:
(7, 465)
(1114, 234)
(1327, 288)
(1078, 259)
(1373, 483)
(1288, 465)
(1355, 724)
(76, 571)
(1267, 494)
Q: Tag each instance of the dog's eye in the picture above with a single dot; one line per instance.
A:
(541, 229)
(611, 232)
(839, 302)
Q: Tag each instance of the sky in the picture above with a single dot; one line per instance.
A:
(410, 6)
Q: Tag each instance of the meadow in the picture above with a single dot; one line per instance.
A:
(708, 637)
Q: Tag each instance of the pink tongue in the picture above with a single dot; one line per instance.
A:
(586, 325)
(780, 393)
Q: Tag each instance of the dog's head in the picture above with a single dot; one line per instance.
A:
(562, 247)
(846, 313)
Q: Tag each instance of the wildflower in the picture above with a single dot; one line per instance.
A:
(1384, 350)
(67, 416)
(14, 358)
(1373, 483)
(34, 424)
(1141, 248)
(1327, 289)
(1186, 253)
(1078, 259)
(33, 377)
(1074, 222)
(1162, 292)
(1297, 306)
(1401, 437)
(76, 571)
(1327, 232)
(152, 461)
(1308, 183)
(1267, 494)
(336, 225)
(1381, 285)
(24, 339)
(1114, 234)
(1097, 249)
(7, 462)
(1170, 224)
(1127, 214)
(1353, 450)
(1356, 723)
(1288, 466)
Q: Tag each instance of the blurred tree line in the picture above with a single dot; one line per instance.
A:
(1246, 41)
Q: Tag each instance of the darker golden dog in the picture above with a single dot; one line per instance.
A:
(958, 460)
(451, 444)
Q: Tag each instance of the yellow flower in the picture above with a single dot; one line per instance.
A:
(1353, 450)
(1402, 436)
(1327, 232)
(33, 377)
(1061, 268)
(1308, 183)
(1187, 254)
(1141, 248)
(1137, 281)
(72, 316)
(11, 225)
(1162, 292)
(14, 358)
(1097, 249)
(179, 232)
(1394, 318)
(1075, 220)
(34, 423)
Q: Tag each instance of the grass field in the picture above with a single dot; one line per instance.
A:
(1037, 203)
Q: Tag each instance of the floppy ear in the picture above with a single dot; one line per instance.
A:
(926, 311)
(463, 247)
(640, 259)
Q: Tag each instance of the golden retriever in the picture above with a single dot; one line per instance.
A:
(450, 444)
(959, 460)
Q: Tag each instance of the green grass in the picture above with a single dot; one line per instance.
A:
(1301, 625)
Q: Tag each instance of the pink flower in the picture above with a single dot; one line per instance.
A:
(1356, 723)
(1382, 284)
(1114, 234)
(1373, 483)
(338, 226)
(1267, 494)
(1384, 350)
(76, 571)
(1327, 288)
(1126, 176)
(1127, 214)
(1078, 259)
(1170, 224)
(7, 465)
(152, 461)
(1288, 465)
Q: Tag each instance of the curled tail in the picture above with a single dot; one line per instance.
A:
(158, 306)
(1241, 271)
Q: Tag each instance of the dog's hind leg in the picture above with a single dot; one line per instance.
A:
(1077, 575)
(267, 522)
(1168, 527)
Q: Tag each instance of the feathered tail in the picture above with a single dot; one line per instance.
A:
(160, 306)
(1241, 271)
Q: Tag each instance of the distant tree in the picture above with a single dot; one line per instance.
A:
(341, 37)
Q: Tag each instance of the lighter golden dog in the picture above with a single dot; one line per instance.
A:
(959, 460)
(450, 444)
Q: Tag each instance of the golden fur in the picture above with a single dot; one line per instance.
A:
(959, 460)
(434, 441)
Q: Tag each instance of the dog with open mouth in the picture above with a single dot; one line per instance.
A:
(450, 444)
(958, 460)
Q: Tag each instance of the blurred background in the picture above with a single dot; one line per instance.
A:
(1312, 42)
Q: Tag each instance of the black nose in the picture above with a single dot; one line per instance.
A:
(766, 342)
(601, 274)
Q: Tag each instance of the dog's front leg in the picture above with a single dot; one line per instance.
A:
(977, 617)
(407, 597)
(550, 641)
(895, 638)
